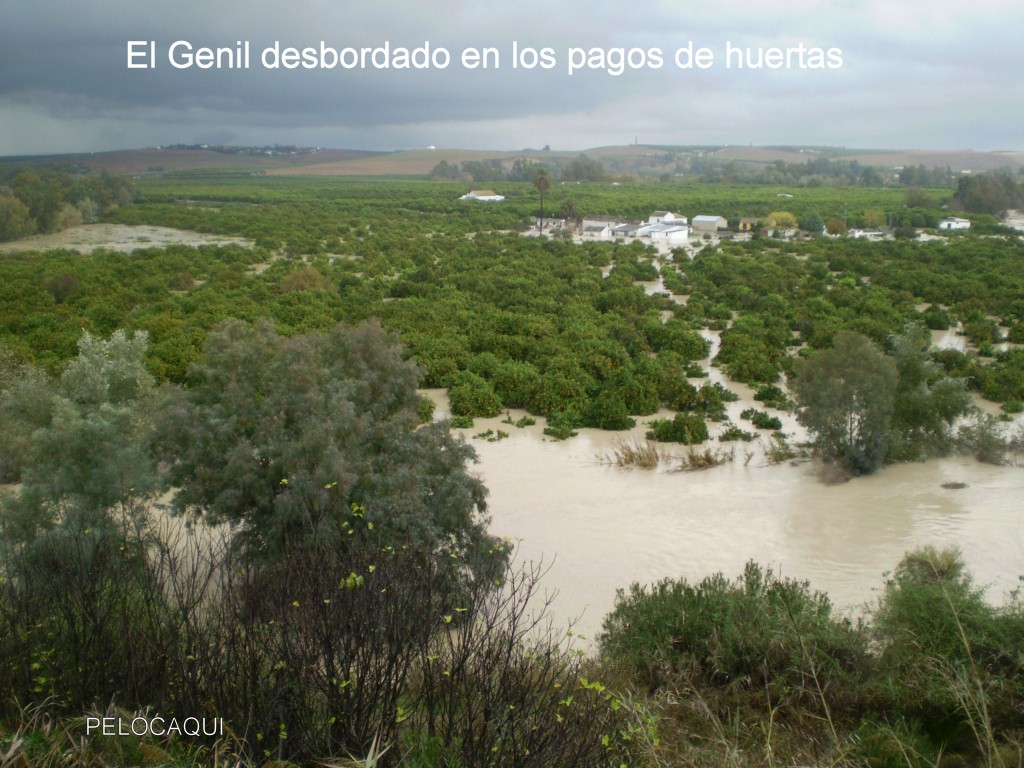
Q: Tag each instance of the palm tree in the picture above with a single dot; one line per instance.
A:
(570, 211)
(542, 182)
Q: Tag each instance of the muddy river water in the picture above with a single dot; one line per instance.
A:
(600, 527)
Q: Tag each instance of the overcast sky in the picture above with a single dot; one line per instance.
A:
(914, 74)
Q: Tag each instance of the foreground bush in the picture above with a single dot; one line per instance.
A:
(959, 660)
(350, 599)
(761, 641)
(760, 669)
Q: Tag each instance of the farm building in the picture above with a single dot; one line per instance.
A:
(483, 196)
(954, 223)
(664, 217)
(709, 223)
(600, 228)
(674, 234)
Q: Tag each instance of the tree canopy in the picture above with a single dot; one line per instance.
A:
(319, 434)
(847, 396)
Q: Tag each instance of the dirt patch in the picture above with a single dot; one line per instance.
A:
(117, 237)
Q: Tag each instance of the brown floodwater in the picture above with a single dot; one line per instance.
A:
(600, 527)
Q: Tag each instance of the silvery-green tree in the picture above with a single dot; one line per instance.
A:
(83, 449)
(318, 436)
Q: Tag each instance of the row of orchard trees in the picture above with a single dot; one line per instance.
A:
(49, 200)
(337, 591)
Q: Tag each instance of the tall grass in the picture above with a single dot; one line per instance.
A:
(648, 454)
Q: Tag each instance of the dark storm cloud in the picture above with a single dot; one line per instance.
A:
(64, 83)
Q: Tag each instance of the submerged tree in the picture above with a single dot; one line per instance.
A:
(846, 396)
(927, 402)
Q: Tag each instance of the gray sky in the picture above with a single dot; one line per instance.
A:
(914, 74)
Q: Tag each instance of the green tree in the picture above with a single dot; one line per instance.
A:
(445, 170)
(781, 220)
(472, 395)
(43, 195)
(835, 226)
(927, 402)
(26, 405)
(846, 396)
(15, 221)
(542, 183)
(320, 434)
(812, 223)
(87, 456)
(569, 210)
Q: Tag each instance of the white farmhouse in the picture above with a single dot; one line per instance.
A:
(673, 234)
(663, 217)
(866, 234)
(954, 223)
(483, 196)
(599, 227)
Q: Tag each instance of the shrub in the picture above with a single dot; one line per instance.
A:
(561, 425)
(472, 395)
(609, 411)
(425, 410)
(516, 383)
(686, 428)
(305, 279)
(957, 658)
(773, 397)
(732, 432)
(761, 420)
(755, 640)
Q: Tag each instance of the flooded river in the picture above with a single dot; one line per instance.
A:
(600, 527)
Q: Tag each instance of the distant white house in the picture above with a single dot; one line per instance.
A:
(663, 217)
(709, 223)
(625, 230)
(866, 234)
(600, 228)
(954, 223)
(673, 234)
(483, 196)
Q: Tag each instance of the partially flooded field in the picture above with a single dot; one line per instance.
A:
(117, 237)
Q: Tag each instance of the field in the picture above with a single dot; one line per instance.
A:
(472, 297)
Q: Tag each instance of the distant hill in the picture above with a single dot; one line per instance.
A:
(157, 160)
(411, 162)
(637, 159)
(646, 159)
(956, 160)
